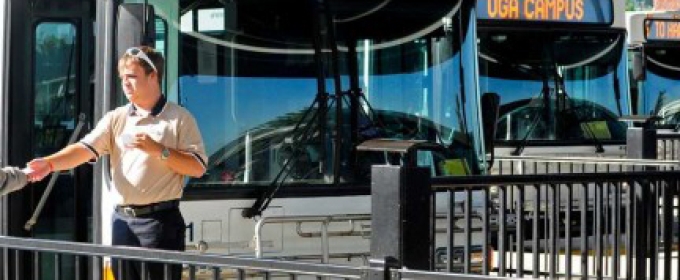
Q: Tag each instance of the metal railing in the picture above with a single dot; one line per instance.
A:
(645, 146)
(354, 225)
(628, 229)
(522, 165)
(324, 221)
(18, 253)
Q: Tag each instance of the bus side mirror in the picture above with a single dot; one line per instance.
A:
(638, 61)
(490, 109)
(135, 26)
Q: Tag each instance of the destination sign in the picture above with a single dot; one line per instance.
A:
(560, 11)
(662, 29)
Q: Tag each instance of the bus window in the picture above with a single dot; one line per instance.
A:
(660, 91)
(414, 89)
(251, 76)
(55, 85)
(560, 87)
(248, 93)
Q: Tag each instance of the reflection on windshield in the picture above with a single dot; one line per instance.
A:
(266, 112)
(250, 121)
(555, 86)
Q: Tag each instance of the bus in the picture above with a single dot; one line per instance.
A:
(560, 69)
(292, 98)
(655, 69)
(287, 94)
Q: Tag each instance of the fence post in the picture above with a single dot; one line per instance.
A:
(386, 265)
(641, 143)
(401, 219)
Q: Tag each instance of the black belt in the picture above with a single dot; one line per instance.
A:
(141, 210)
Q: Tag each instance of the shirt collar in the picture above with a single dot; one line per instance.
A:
(155, 111)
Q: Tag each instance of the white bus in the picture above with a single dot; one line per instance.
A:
(285, 93)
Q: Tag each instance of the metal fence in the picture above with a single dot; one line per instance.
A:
(668, 144)
(647, 147)
(522, 165)
(23, 257)
(528, 228)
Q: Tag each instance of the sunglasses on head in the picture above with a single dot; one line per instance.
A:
(138, 53)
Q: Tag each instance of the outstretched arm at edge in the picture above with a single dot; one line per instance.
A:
(12, 179)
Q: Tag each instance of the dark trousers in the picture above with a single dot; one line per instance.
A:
(158, 230)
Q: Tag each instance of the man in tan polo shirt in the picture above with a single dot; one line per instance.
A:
(152, 145)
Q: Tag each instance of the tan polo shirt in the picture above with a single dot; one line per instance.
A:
(139, 177)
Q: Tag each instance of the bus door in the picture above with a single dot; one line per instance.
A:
(50, 86)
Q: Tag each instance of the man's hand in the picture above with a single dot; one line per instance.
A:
(145, 143)
(37, 169)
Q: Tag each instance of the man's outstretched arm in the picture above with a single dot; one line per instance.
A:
(67, 158)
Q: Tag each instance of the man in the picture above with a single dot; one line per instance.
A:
(153, 144)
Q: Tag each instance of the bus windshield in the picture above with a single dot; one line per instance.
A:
(660, 93)
(265, 95)
(555, 86)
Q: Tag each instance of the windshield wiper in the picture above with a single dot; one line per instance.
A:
(617, 92)
(599, 148)
(659, 103)
(545, 94)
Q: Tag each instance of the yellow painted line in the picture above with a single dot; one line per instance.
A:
(107, 273)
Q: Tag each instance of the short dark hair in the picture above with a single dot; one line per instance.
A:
(155, 57)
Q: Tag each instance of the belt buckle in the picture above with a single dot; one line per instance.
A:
(129, 211)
